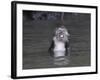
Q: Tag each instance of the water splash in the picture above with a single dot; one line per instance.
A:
(60, 58)
(61, 61)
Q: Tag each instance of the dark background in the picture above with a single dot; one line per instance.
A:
(38, 28)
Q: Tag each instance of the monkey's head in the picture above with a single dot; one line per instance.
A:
(62, 34)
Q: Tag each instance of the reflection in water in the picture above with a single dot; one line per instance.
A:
(60, 58)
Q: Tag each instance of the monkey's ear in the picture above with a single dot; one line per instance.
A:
(68, 35)
(66, 32)
(55, 31)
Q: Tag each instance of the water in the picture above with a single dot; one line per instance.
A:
(61, 61)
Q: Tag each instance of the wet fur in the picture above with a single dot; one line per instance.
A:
(52, 46)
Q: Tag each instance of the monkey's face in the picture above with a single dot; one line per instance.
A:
(62, 34)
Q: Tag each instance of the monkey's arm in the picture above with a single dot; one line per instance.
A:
(51, 48)
(67, 48)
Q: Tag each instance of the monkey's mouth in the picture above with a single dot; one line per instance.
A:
(61, 36)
